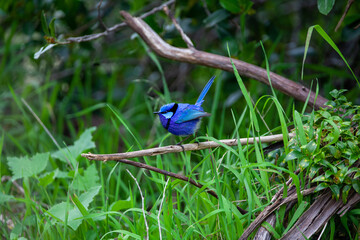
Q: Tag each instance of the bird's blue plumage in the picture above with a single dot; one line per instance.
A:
(183, 119)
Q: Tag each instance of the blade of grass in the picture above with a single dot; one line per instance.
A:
(327, 38)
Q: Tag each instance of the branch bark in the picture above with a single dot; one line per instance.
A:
(180, 148)
(158, 170)
(194, 56)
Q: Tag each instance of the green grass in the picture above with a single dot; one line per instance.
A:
(56, 194)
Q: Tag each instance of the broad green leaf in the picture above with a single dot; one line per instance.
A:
(27, 167)
(304, 163)
(88, 180)
(46, 179)
(58, 211)
(72, 152)
(321, 186)
(325, 6)
(294, 155)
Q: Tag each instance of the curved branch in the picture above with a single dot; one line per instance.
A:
(91, 156)
(159, 46)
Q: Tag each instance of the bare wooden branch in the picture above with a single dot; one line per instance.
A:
(158, 170)
(160, 47)
(114, 28)
(177, 26)
(178, 148)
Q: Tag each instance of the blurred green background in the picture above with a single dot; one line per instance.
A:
(116, 83)
(69, 86)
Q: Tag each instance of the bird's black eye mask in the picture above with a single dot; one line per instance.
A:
(174, 108)
(173, 111)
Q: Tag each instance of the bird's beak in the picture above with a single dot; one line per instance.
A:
(156, 112)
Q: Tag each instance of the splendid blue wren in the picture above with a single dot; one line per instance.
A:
(183, 119)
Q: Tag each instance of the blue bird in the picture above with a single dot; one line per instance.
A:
(183, 119)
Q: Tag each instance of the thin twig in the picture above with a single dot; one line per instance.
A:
(160, 208)
(186, 39)
(142, 204)
(185, 147)
(158, 170)
(99, 16)
(45, 128)
(114, 28)
(347, 8)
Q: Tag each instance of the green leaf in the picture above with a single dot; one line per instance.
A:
(321, 186)
(314, 170)
(233, 6)
(311, 146)
(326, 37)
(52, 27)
(325, 6)
(44, 24)
(294, 155)
(336, 190)
(82, 209)
(216, 17)
(58, 211)
(304, 163)
(47, 179)
(27, 167)
(320, 178)
(88, 180)
(121, 205)
(70, 153)
(345, 193)
(356, 185)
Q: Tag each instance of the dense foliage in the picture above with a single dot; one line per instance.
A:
(100, 96)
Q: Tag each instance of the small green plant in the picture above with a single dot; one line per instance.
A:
(328, 149)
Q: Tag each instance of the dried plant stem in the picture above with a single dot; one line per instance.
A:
(142, 205)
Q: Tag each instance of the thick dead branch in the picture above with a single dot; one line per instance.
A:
(270, 209)
(160, 47)
(180, 148)
(317, 215)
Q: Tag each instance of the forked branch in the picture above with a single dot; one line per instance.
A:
(194, 56)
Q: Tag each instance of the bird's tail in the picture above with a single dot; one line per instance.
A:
(200, 100)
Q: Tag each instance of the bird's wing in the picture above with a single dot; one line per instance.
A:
(189, 114)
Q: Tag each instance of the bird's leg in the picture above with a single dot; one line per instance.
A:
(179, 143)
